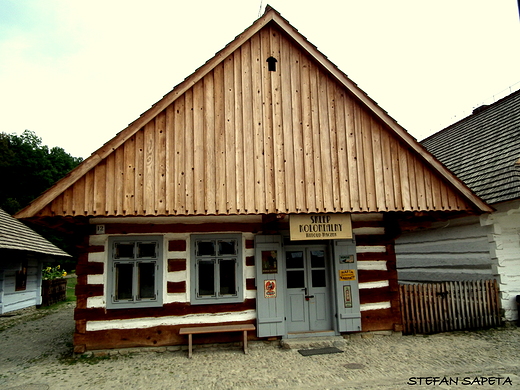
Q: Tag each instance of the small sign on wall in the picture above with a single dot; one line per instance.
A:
(269, 262)
(270, 288)
(347, 296)
(346, 275)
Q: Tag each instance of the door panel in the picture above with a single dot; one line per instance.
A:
(308, 289)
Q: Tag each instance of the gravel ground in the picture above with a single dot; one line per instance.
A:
(36, 353)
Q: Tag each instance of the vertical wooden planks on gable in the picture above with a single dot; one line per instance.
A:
(352, 158)
(209, 143)
(379, 146)
(343, 162)
(404, 179)
(316, 142)
(306, 167)
(324, 149)
(229, 129)
(160, 163)
(247, 127)
(119, 173)
(358, 136)
(89, 193)
(180, 177)
(411, 178)
(267, 102)
(198, 149)
(420, 183)
(333, 126)
(388, 194)
(287, 123)
(129, 176)
(170, 161)
(110, 185)
(149, 169)
(189, 152)
(78, 197)
(220, 140)
(258, 121)
(368, 158)
(100, 188)
(139, 177)
(395, 148)
(239, 133)
(278, 139)
(300, 183)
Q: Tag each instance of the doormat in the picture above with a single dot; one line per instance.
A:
(319, 351)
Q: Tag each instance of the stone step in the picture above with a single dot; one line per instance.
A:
(313, 342)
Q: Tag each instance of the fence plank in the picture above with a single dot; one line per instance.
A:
(447, 306)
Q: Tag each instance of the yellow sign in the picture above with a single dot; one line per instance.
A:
(320, 226)
(347, 274)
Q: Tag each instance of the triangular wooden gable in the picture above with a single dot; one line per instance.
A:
(238, 138)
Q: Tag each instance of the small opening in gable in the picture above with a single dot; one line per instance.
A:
(271, 64)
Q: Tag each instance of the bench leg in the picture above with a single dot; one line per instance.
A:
(245, 342)
(190, 344)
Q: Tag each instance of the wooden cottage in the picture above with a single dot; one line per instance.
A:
(22, 254)
(265, 189)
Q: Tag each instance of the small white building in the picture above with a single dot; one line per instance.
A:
(483, 150)
(22, 254)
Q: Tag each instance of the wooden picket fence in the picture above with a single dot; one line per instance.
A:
(447, 306)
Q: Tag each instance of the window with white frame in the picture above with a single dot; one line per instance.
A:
(216, 268)
(135, 272)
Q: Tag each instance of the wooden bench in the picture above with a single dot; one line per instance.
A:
(216, 329)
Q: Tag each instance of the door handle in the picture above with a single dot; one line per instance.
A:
(309, 296)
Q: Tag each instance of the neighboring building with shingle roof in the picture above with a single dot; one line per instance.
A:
(22, 253)
(483, 150)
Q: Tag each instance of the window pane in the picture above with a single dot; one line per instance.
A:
(318, 278)
(146, 250)
(294, 259)
(206, 248)
(124, 251)
(295, 279)
(123, 290)
(146, 280)
(318, 259)
(227, 247)
(206, 277)
(227, 277)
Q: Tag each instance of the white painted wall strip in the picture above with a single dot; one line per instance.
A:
(369, 230)
(378, 284)
(177, 276)
(95, 279)
(371, 249)
(377, 265)
(149, 322)
(97, 257)
(366, 306)
(175, 298)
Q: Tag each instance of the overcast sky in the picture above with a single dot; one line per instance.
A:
(77, 72)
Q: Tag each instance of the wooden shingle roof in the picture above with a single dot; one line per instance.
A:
(483, 150)
(14, 235)
(237, 138)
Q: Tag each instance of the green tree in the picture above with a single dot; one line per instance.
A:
(27, 168)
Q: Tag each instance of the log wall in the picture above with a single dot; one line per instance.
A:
(101, 328)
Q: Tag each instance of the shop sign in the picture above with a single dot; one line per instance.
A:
(346, 275)
(320, 226)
